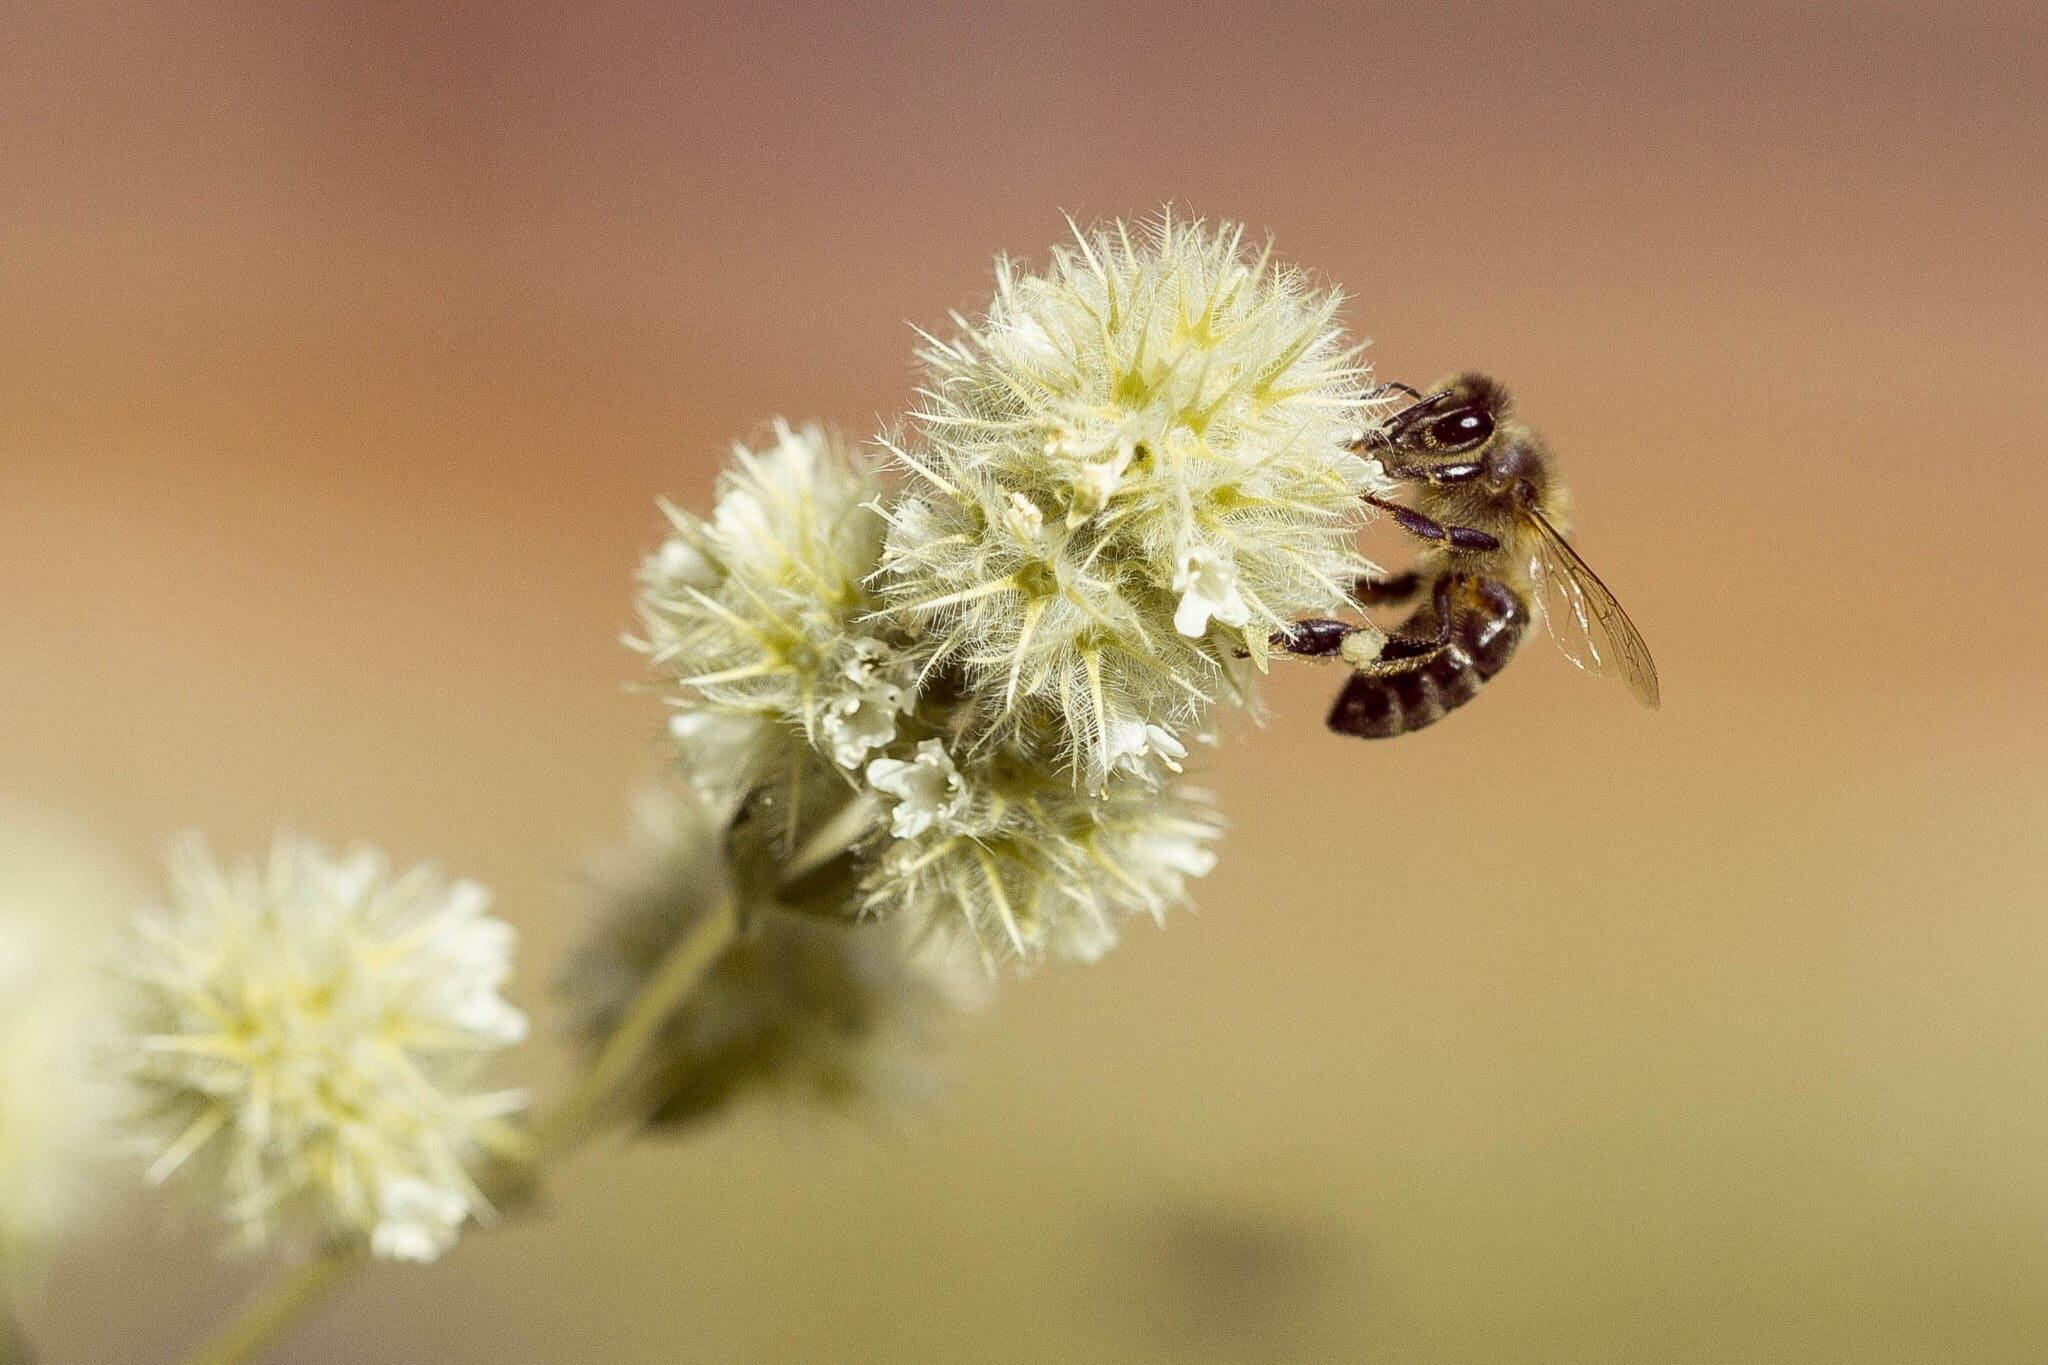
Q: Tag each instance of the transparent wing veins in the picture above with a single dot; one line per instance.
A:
(1586, 620)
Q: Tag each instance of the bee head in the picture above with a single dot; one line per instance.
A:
(1459, 415)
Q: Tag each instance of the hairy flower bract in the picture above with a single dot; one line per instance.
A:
(1030, 865)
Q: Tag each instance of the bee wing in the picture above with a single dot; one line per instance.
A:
(1584, 617)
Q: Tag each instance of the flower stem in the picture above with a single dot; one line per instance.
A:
(271, 1311)
(573, 1119)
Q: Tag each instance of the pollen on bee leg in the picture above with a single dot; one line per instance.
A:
(1363, 645)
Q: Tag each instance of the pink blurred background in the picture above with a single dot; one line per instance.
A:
(343, 351)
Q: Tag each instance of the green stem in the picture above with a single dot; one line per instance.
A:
(574, 1118)
(271, 1311)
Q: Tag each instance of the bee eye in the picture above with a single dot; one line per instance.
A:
(1461, 429)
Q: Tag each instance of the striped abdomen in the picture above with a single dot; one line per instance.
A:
(1475, 625)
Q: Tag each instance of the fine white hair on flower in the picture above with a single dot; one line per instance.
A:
(56, 889)
(761, 612)
(805, 1006)
(303, 1039)
(1138, 465)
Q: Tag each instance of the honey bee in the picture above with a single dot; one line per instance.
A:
(1491, 512)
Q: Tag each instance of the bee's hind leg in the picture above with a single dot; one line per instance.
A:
(1360, 644)
(1392, 692)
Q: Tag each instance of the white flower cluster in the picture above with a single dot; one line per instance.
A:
(305, 1036)
(983, 680)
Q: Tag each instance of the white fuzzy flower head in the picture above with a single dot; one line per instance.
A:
(55, 891)
(757, 611)
(804, 1006)
(1138, 464)
(304, 1038)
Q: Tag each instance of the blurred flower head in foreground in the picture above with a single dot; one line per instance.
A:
(303, 1038)
(985, 678)
(805, 1006)
(55, 892)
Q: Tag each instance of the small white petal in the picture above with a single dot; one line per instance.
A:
(927, 789)
(1024, 519)
(1137, 749)
(862, 720)
(1207, 582)
(858, 725)
(418, 1221)
(1096, 484)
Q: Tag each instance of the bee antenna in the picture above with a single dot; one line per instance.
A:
(1382, 390)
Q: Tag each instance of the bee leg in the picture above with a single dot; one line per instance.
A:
(1428, 528)
(1400, 690)
(1405, 649)
(1314, 639)
(1396, 692)
(1387, 592)
(1405, 654)
(1417, 681)
(1310, 639)
(1321, 638)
